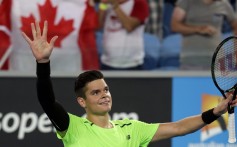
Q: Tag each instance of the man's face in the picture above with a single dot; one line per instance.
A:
(98, 98)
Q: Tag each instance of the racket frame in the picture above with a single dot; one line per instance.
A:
(231, 114)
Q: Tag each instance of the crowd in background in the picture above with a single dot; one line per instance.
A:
(117, 34)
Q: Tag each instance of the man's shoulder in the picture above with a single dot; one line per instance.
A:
(76, 117)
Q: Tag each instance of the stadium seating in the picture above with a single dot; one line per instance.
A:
(152, 51)
(169, 52)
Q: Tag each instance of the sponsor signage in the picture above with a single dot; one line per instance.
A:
(23, 122)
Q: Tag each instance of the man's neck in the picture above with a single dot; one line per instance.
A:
(101, 121)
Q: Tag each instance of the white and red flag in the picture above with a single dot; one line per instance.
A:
(74, 21)
(5, 29)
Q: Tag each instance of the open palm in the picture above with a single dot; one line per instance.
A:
(41, 49)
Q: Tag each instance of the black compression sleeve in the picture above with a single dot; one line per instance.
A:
(56, 113)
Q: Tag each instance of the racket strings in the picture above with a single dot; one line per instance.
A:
(225, 67)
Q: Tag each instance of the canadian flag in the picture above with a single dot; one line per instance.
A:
(74, 21)
(5, 27)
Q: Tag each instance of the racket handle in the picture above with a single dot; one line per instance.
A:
(231, 128)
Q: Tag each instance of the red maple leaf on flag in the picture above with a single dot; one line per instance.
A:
(48, 12)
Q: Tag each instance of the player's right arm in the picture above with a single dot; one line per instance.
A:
(193, 123)
(42, 50)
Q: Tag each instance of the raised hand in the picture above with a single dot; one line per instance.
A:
(41, 49)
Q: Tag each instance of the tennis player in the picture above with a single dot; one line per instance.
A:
(92, 91)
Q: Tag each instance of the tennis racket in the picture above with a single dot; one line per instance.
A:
(224, 76)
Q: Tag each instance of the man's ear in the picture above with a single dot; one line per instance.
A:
(81, 102)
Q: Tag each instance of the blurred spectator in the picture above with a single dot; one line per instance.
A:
(154, 24)
(200, 22)
(235, 6)
(171, 1)
(233, 3)
(74, 21)
(123, 22)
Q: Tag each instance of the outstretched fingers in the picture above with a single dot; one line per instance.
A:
(45, 30)
(39, 45)
(53, 40)
(38, 30)
(28, 40)
(33, 30)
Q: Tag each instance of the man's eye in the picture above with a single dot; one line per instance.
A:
(95, 93)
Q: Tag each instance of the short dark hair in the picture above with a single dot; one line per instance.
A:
(83, 79)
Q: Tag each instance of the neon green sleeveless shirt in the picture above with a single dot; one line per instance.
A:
(125, 133)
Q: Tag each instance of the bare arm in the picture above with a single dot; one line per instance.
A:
(189, 124)
(178, 25)
(179, 128)
(102, 14)
(128, 22)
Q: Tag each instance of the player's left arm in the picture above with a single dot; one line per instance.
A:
(179, 128)
(190, 124)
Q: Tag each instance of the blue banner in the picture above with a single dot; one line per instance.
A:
(192, 96)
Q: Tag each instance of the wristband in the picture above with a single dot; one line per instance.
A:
(103, 6)
(208, 116)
